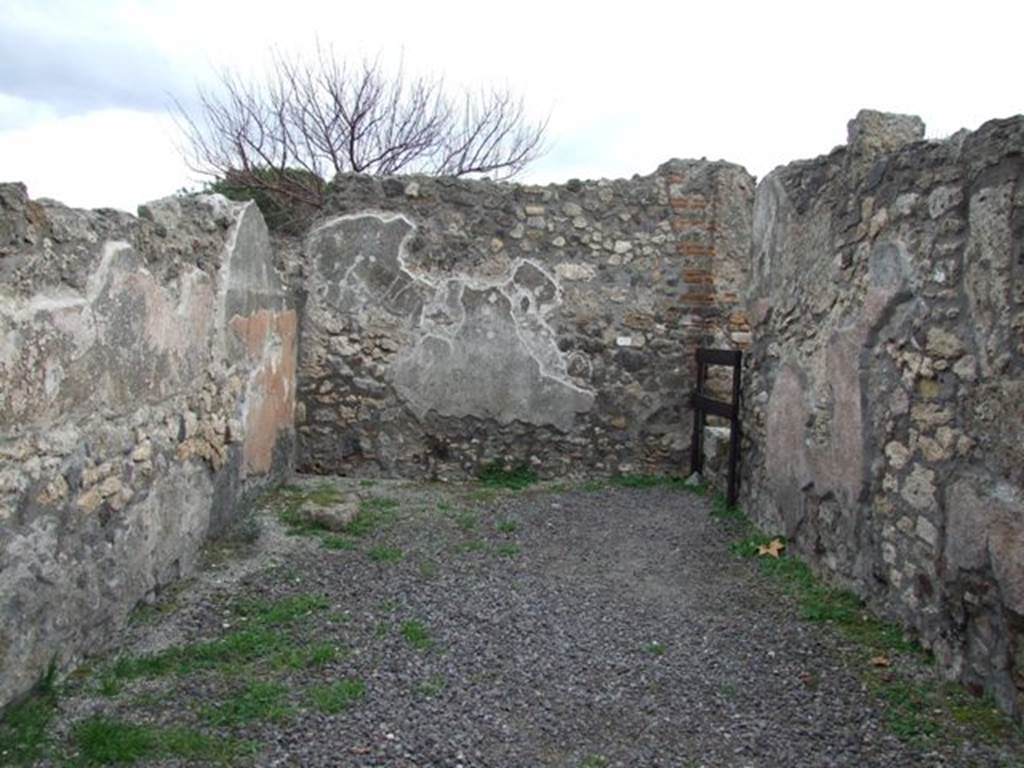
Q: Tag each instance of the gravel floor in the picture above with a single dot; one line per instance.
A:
(565, 628)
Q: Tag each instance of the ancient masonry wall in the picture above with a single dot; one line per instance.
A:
(149, 369)
(885, 386)
(450, 324)
(147, 380)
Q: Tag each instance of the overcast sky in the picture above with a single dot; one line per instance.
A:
(85, 86)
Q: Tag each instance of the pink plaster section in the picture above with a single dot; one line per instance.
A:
(786, 453)
(843, 460)
(269, 338)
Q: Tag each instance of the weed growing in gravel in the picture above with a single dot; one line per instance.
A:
(324, 495)
(291, 499)
(820, 602)
(720, 509)
(416, 635)
(594, 761)
(923, 710)
(913, 710)
(507, 549)
(432, 686)
(485, 495)
(508, 526)
(108, 686)
(229, 653)
(592, 486)
(647, 481)
(306, 657)
(467, 521)
(332, 699)
(655, 648)
(105, 741)
(383, 554)
(25, 727)
(278, 613)
(336, 542)
(473, 545)
(257, 701)
(429, 569)
(150, 613)
(494, 475)
(373, 515)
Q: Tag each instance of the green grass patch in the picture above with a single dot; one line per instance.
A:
(277, 613)
(485, 495)
(332, 699)
(227, 654)
(467, 521)
(507, 549)
(431, 687)
(306, 657)
(646, 481)
(822, 603)
(495, 475)
(429, 569)
(374, 514)
(473, 545)
(908, 711)
(508, 526)
(336, 542)
(593, 486)
(289, 501)
(25, 727)
(915, 711)
(260, 639)
(383, 554)
(150, 613)
(721, 510)
(257, 701)
(106, 741)
(655, 648)
(416, 634)
(324, 495)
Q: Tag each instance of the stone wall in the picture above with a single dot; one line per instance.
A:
(885, 386)
(450, 324)
(147, 380)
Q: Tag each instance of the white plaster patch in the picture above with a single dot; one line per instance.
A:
(569, 271)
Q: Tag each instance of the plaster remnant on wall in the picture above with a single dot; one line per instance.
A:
(896, 401)
(147, 384)
(481, 346)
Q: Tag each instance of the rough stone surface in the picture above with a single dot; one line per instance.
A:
(551, 326)
(884, 386)
(147, 380)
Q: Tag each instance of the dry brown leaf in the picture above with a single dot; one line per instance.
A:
(771, 549)
(880, 661)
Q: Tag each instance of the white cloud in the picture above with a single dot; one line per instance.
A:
(110, 158)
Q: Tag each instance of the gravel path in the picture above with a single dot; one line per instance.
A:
(568, 628)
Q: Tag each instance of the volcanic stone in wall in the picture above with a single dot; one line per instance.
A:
(469, 346)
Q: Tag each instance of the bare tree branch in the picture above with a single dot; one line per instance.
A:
(281, 137)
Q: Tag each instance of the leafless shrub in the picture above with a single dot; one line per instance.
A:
(281, 137)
